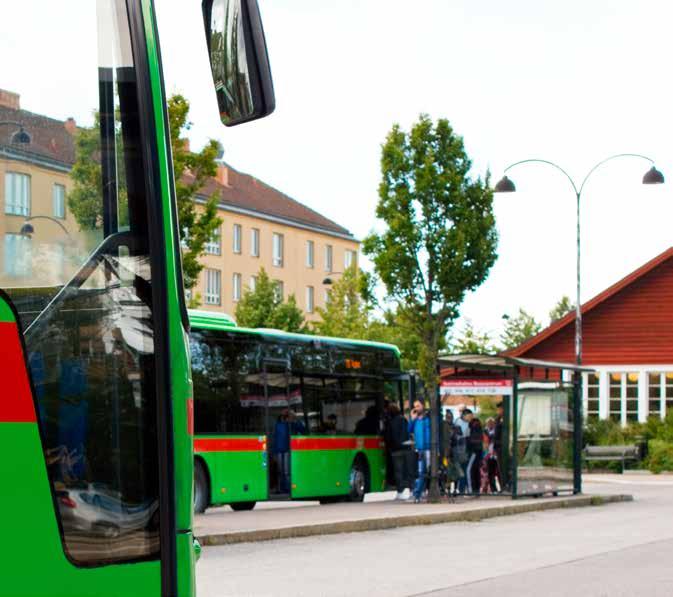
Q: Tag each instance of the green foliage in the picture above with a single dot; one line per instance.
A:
(192, 172)
(85, 200)
(518, 329)
(394, 328)
(473, 341)
(264, 308)
(657, 433)
(562, 308)
(439, 240)
(346, 314)
(660, 457)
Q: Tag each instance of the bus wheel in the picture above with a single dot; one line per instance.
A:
(201, 501)
(241, 506)
(358, 480)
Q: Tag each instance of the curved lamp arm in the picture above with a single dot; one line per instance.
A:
(540, 161)
(612, 157)
(29, 218)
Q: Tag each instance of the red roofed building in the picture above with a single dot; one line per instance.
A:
(627, 338)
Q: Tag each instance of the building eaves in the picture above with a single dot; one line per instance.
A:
(600, 298)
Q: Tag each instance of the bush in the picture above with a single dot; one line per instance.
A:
(660, 457)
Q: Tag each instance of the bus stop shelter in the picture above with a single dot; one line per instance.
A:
(541, 416)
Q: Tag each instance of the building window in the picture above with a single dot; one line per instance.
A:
(309, 299)
(188, 295)
(349, 258)
(310, 253)
(254, 242)
(327, 295)
(18, 255)
(278, 289)
(17, 194)
(213, 287)
(654, 386)
(58, 200)
(615, 406)
(632, 396)
(214, 245)
(668, 379)
(184, 241)
(253, 283)
(238, 231)
(328, 258)
(237, 283)
(593, 393)
(278, 242)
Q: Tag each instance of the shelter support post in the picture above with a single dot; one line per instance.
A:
(435, 414)
(577, 432)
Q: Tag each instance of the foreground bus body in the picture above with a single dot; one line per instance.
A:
(244, 382)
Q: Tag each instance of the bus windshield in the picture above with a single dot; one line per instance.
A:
(74, 264)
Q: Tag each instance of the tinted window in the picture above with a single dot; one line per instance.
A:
(82, 283)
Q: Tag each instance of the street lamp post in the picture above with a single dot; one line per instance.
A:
(27, 229)
(505, 185)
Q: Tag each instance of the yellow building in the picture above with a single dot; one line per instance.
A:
(264, 228)
(261, 227)
(38, 235)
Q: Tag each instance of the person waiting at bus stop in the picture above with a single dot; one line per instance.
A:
(399, 444)
(419, 427)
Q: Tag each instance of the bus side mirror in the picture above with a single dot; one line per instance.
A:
(238, 60)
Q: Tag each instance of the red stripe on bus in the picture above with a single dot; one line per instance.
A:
(336, 443)
(230, 444)
(16, 399)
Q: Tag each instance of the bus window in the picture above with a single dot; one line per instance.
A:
(228, 384)
(76, 266)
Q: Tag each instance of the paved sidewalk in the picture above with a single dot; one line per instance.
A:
(220, 526)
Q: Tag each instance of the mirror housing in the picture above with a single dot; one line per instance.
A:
(239, 60)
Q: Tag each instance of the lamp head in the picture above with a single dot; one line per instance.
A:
(327, 281)
(653, 176)
(505, 185)
(27, 229)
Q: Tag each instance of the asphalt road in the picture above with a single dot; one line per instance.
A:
(616, 550)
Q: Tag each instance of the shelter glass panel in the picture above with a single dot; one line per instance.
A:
(545, 438)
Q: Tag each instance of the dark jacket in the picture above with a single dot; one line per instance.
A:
(398, 433)
(475, 441)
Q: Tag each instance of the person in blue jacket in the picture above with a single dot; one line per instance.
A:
(419, 427)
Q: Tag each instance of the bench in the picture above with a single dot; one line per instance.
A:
(611, 453)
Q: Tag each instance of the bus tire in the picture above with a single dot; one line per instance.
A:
(242, 506)
(201, 488)
(358, 480)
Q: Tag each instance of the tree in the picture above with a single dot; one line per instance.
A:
(393, 328)
(473, 341)
(562, 308)
(518, 329)
(192, 171)
(346, 314)
(439, 240)
(263, 307)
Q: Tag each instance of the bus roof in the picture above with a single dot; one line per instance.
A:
(220, 321)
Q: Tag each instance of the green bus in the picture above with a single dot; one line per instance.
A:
(281, 416)
(97, 449)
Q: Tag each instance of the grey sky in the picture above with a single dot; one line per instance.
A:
(569, 81)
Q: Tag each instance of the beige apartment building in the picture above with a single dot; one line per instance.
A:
(42, 244)
(264, 228)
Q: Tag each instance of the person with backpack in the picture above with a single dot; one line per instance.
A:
(475, 449)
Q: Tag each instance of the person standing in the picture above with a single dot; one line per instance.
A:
(462, 437)
(399, 445)
(475, 449)
(419, 427)
(281, 450)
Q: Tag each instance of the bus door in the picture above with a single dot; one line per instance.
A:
(280, 420)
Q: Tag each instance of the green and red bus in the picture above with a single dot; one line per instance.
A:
(96, 472)
(287, 416)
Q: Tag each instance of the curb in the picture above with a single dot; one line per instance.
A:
(391, 522)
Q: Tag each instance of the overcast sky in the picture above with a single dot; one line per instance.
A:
(570, 81)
